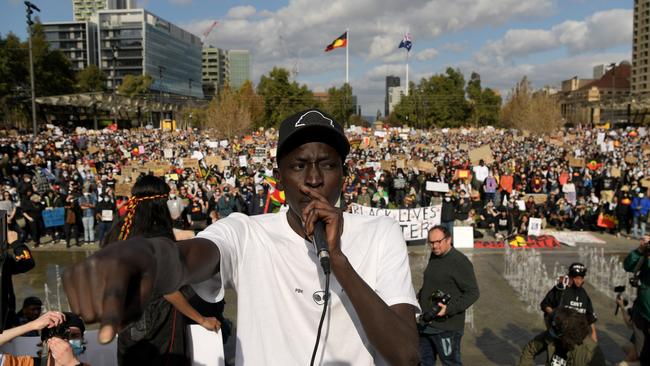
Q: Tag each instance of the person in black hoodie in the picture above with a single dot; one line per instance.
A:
(448, 212)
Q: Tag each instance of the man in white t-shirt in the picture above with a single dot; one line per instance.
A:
(274, 267)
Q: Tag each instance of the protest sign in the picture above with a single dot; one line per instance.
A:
(576, 163)
(243, 162)
(260, 152)
(631, 159)
(464, 147)
(168, 153)
(616, 172)
(424, 166)
(539, 198)
(534, 226)
(600, 138)
(212, 160)
(53, 217)
(463, 237)
(437, 187)
(172, 176)
(122, 189)
(273, 152)
(93, 149)
(415, 222)
(400, 164)
(190, 163)
(223, 143)
(386, 165)
(521, 205)
(482, 153)
(645, 183)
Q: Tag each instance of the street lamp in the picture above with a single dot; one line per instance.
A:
(29, 8)
(114, 48)
(160, 73)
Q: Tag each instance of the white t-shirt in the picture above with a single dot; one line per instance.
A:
(481, 172)
(280, 286)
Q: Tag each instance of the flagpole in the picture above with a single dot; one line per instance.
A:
(407, 72)
(347, 56)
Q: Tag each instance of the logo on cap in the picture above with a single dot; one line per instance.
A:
(299, 123)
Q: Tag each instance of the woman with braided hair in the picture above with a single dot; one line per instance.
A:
(158, 337)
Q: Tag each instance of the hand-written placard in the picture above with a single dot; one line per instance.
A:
(190, 163)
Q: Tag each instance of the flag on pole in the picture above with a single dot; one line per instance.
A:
(406, 42)
(342, 41)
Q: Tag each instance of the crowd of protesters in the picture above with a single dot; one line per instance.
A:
(578, 179)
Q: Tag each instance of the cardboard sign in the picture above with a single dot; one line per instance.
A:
(168, 153)
(424, 166)
(123, 189)
(212, 160)
(616, 172)
(464, 147)
(260, 152)
(400, 164)
(437, 187)
(386, 165)
(645, 183)
(93, 149)
(539, 198)
(631, 159)
(273, 152)
(482, 153)
(576, 163)
(190, 163)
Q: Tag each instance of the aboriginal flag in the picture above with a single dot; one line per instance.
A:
(342, 41)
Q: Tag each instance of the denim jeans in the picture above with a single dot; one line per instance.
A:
(89, 228)
(445, 346)
(103, 228)
(638, 226)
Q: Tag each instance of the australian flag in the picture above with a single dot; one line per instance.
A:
(406, 42)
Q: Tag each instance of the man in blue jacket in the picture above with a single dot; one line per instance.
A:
(640, 209)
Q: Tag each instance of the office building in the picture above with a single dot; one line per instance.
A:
(395, 94)
(215, 70)
(640, 49)
(83, 10)
(391, 81)
(76, 40)
(239, 67)
(594, 101)
(138, 42)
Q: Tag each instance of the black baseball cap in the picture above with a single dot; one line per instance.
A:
(577, 269)
(311, 125)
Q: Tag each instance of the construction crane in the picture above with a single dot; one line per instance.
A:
(208, 31)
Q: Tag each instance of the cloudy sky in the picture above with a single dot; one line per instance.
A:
(502, 40)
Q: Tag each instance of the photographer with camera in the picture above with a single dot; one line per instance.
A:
(65, 342)
(637, 263)
(570, 293)
(448, 289)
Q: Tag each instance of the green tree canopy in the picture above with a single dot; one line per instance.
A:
(283, 98)
(339, 103)
(133, 85)
(91, 79)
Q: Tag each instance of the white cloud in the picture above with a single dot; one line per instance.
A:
(599, 31)
(240, 12)
(426, 54)
(454, 47)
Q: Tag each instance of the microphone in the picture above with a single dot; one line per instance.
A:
(321, 246)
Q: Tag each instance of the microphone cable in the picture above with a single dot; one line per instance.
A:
(322, 317)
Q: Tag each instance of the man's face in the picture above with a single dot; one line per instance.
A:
(440, 244)
(32, 312)
(315, 165)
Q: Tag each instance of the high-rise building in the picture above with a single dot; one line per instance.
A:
(395, 94)
(391, 81)
(83, 10)
(239, 67)
(138, 42)
(76, 40)
(215, 70)
(640, 48)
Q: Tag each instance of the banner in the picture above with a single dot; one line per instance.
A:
(415, 222)
(53, 217)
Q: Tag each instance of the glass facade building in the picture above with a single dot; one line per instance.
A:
(138, 42)
(239, 68)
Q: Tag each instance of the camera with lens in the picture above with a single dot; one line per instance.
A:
(60, 331)
(619, 292)
(436, 297)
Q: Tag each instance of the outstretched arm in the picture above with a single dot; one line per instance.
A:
(47, 320)
(181, 304)
(113, 285)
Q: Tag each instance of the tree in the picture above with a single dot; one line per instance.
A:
(135, 85)
(228, 114)
(53, 74)
(253, 102)
(339, 103)
(282, 98)
(91, 79)
(532, 111)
